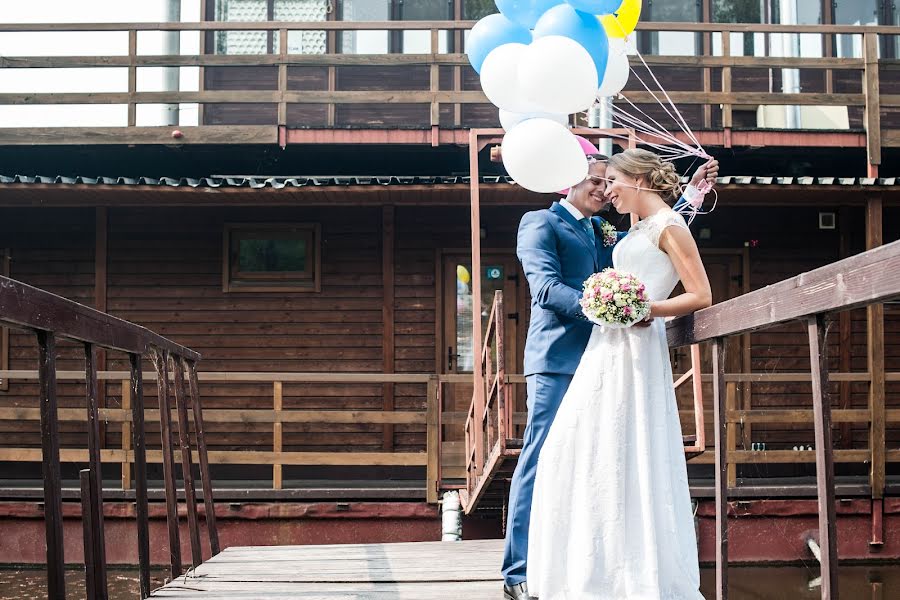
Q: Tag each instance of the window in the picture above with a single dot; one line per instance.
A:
(383, 42)
(266, 42)
(671, 43)
(272, 258)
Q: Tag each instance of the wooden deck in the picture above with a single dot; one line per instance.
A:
(402, 571)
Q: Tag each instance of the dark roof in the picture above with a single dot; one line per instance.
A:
(295, 182)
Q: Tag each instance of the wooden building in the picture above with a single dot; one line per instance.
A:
(310, 236)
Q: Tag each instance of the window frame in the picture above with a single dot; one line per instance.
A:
(308, 280)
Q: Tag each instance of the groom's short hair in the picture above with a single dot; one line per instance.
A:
(592, 158)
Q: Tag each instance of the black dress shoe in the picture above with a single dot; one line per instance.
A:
(516, 592)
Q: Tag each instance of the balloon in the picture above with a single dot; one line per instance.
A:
(624, 21)
(542, 156)
(557, 75)
(462, 274)
(563, 20)
(587, 148)
(500, 78)
(617, 69)
(490, 32)
(508, 119)
(596, 7)
(525, 12)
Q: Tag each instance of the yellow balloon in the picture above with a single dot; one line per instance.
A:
(623, 22)
(462, 274)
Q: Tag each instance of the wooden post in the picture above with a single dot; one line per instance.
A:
(4, 331)
(873, 104)
(132, 77)
(432, 439)
(875, 359)
(161, 362)
(282, 76)
(100, 298)
(477, 374)
(96, 480)
(387, 314)
(706, 50)
(731, 430)
(126, 436)
(331, 50)
(824, 457)
(726, 82)
(140, 473)
(844, 332)
(277, 394)
(721, 457)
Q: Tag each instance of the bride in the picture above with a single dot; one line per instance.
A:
(611, 513)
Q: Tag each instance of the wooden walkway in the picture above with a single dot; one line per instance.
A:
(403, 571)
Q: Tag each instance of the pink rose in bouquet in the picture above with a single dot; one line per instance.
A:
(614, 299)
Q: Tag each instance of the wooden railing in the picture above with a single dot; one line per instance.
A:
(442, 88)
(49, 318)
(862, 280)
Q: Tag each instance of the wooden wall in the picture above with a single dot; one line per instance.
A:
(165, 272)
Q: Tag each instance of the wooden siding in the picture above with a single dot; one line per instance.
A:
(164, 272)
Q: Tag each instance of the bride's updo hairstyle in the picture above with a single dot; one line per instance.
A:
(658, 174)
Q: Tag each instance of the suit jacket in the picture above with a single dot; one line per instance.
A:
(557, 256)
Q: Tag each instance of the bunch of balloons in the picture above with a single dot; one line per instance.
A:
(539, 62)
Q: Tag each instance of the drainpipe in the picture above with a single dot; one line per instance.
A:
(171, 47)
(790, 78)
(600, 117)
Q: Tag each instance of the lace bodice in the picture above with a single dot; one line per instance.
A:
(639, 253)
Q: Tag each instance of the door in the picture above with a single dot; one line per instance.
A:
(499, 271)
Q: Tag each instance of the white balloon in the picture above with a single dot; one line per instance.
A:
(558, 75)
(500, 80)
(508, 119)
(617, 69)
(543, 156)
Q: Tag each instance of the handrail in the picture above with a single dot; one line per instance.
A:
(50, 317)
(427, 25)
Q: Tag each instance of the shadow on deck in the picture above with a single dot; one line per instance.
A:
(399, 571)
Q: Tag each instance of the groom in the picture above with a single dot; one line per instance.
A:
(559, 248)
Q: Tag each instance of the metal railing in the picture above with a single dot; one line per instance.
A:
(49, 318)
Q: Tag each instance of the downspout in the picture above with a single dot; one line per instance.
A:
(451, 518)
(171, 47)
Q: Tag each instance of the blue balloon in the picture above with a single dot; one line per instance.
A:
(596, 7)
(492, 31)
(584, 28)
(525, 12)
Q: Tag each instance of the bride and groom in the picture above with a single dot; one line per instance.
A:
(599, 504)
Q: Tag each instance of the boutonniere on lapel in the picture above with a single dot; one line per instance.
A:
(610, 235)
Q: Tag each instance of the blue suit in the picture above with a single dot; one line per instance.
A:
(557, 255)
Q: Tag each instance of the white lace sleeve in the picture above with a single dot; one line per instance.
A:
(661, 221)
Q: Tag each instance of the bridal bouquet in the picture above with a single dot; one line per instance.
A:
(614, 299)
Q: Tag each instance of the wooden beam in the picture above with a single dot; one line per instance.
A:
(875, 358)
(278, 395)
(100, 296)
(844, 332)
(872, 100)
(4, 331)
(388, 237)
(478, 400)
(856, 281)
(432, 439)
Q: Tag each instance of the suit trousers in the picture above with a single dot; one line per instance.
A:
(545, 393)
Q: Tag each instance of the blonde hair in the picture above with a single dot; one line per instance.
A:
(660, 175)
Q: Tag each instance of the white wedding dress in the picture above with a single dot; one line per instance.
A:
(611, 515)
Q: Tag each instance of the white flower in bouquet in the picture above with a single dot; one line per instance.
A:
(614, 299)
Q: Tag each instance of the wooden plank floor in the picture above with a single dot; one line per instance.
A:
(404, 571)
